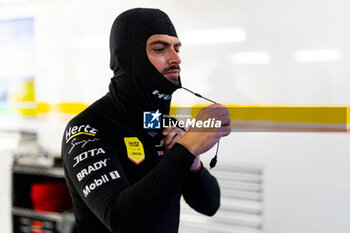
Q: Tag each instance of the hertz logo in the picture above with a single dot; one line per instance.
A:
(78, 130)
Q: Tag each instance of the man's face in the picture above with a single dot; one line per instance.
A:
(162, 51)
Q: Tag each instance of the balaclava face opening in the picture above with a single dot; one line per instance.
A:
(137, 85)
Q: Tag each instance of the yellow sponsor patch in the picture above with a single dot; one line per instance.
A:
(134, 149)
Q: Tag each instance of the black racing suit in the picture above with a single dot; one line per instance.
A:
(111, 193)
(119, 175)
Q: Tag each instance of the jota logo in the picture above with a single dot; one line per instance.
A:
(151, 120)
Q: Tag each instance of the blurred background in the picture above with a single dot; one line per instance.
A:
(54, 61)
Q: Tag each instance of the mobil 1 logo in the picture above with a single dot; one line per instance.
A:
(103, 179)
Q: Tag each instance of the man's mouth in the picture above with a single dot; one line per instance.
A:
(172, 73)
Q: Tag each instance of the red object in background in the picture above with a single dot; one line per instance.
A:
(37, 224)
(53, 197)
(37, 231)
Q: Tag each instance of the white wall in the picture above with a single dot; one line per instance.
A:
(307, 179)
(307, 183)
(8, 144)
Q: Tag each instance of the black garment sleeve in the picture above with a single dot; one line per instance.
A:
(201, 191)
(97, 175)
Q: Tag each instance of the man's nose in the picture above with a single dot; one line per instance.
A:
(174, 57)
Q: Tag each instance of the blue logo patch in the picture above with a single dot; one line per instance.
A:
(151, 120)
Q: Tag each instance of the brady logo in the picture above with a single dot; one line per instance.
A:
(77, 130)
(161, 96)
(151, 120)
(91, 168)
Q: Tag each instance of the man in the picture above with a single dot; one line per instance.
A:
(122, 177)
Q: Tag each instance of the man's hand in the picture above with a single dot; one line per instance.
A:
(172, 135)
(200, 140)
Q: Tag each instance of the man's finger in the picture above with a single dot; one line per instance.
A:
(175, 139)
(169, 137)
(224, 131)
(225, 120)
(165, 131)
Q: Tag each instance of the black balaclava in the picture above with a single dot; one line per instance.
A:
(137, 85)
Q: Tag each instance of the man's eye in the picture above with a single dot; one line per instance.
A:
(159, 49)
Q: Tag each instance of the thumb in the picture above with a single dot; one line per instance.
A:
(165, 131)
